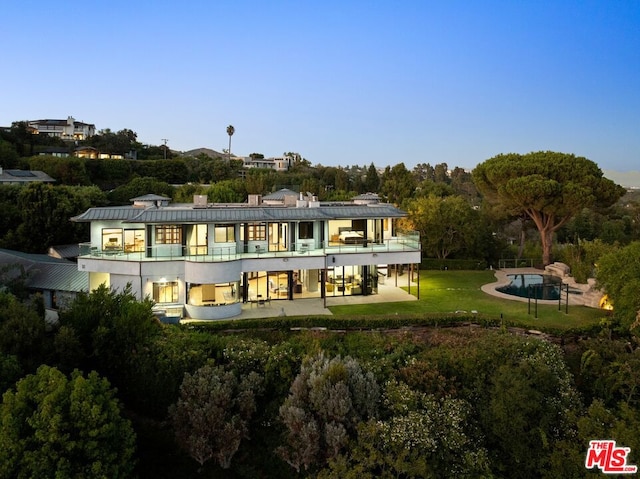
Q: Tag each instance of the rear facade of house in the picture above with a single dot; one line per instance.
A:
(204, 261)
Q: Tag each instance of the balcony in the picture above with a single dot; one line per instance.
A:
(403, 243)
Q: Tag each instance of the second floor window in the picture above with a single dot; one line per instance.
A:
(112, 238)
(257, 231)
(224, 234)
(305, 230)
(168, 234)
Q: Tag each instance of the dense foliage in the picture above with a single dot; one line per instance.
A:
(212, 415)
(52, 426)
(618, 273)
(425, 402)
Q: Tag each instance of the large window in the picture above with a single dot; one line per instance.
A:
(112, 239)
(168, 234)
(224, 234)
(278, 236)
(305, 230)
(133, 240)
(197, 239)
(165, 292)
(257, 231)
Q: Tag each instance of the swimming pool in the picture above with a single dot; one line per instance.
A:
(534, 286)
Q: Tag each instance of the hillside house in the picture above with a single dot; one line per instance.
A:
(203, 261)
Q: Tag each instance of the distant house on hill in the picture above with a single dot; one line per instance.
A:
(68, 129)
(93, 154)
(21, 177)
(57, 151)
(280, 163)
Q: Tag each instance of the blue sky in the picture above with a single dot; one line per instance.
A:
(342, 83)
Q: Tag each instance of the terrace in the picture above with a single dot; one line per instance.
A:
(403, 243)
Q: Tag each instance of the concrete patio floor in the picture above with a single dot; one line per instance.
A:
(387, 293)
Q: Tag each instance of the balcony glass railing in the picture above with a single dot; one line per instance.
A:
(404, 242)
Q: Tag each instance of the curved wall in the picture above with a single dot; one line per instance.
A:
(214, 312)
(207, 273)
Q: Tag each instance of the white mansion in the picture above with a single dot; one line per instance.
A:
(203, 261)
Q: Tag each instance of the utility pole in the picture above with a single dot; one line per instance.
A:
(165, 147)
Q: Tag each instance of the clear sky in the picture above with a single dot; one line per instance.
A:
(340, 82)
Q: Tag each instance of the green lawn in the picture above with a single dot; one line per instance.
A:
(451, 291)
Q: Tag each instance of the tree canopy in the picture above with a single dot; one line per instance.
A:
(446, 225)
(51, 426)
(327, 400)
(547, 186)
(212, 416)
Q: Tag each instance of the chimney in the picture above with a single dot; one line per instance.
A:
(199, 201)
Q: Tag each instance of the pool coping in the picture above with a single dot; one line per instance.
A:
(503, 280)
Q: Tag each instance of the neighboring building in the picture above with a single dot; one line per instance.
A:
(57, 151)
(68, 129)
(21, 177)
(86, 152)
(67, 251)
(93, 153)
(280, 163)
(58, 280)
(204, 260)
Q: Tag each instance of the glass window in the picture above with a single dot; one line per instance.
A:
(112, 238)
(359, 225)
(165, 292)
(133, 240)
(168, 234)
(224, 234)
(305, 230)
(257, 231)
(197, 239)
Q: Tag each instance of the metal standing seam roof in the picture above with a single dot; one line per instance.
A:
(65, 251)
(150, 197)
(58, 277)
(366, 211)
(367, 196)
(107, 213)
(280, 194)
(45, 272)
(238, 214)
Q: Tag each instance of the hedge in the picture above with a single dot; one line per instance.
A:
(370, 323)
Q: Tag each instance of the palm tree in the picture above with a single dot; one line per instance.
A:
(230, 131)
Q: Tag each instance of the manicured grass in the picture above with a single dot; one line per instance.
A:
(445, 292)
